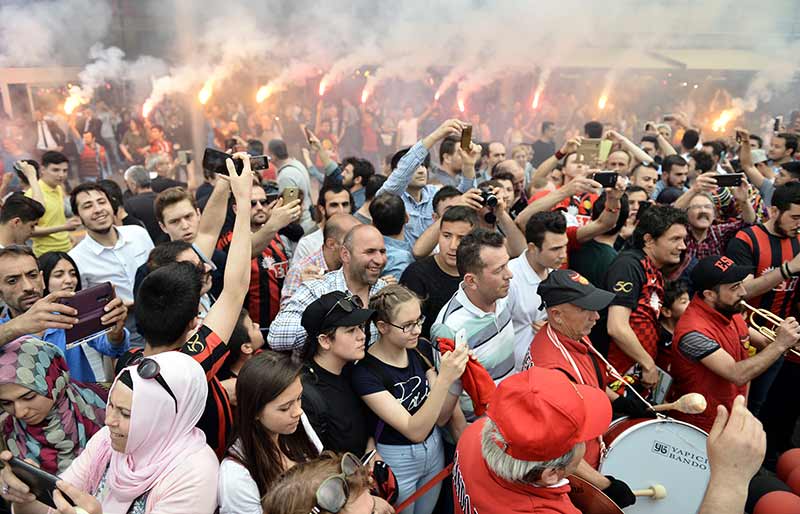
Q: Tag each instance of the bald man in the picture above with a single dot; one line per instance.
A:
(363, 256)
(328, 258)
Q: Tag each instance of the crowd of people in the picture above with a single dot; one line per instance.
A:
(334, 335)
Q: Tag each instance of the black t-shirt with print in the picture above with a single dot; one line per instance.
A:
(409, 386)
(433, 285)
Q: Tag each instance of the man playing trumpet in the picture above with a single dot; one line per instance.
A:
(712, 340)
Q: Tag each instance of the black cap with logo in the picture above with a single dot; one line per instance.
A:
(336, 309)
(567, 286)
(715, 270)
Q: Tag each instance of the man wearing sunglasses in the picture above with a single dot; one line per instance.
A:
(166, 311)
(363, 255)
(269, 262)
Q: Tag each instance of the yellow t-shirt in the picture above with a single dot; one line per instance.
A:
(53, 217)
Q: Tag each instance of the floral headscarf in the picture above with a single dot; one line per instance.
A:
(78, 410)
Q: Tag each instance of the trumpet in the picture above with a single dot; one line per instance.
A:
(768, 317)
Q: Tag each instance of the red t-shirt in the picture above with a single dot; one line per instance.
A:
(590, 370)
(477, 490)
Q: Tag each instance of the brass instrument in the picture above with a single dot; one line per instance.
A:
(769, 317)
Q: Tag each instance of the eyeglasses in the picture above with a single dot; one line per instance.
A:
(263, 202)
(333, 492)
(149, 369)
(408, 327)
(347, 304)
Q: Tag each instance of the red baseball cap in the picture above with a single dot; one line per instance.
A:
(542, 415)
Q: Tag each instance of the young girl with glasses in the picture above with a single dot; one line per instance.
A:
(270, 436)
(406, 394)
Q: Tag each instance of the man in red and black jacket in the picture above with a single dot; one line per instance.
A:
(635, 277)
(712, 340)
(269, 262)
(166, 312)
(773, 250)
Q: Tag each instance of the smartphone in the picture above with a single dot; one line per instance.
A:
(649, 126)
(290, 194)
(90, 304)
(184, 157)
(606, 178)
(729, 179)
(776, 125)
(461, 337)
(668, 117)
(368, 457)
(308, 132)
(466, 138)
(589, 152)
(41, 483)
(214, 161)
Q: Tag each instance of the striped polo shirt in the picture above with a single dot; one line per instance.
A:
(490, 335)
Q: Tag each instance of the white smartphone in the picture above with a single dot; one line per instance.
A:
(461, 338)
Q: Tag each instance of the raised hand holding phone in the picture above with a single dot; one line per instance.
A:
(241, 184)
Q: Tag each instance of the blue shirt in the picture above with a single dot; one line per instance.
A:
(79, 367)
(420, 213)
(398, 256)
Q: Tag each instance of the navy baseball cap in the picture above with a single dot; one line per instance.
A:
(568, 286)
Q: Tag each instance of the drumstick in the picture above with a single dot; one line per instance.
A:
(657, 491)
(690, 403)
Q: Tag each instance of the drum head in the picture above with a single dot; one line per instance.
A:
(661, 451)
(588, 499)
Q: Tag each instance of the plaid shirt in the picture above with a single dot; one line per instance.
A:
(295, 275)
(716, 240)
(287, 333)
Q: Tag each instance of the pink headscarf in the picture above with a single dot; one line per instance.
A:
(159, 439)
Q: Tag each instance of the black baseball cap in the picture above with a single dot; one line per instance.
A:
(568, 286)
(715, 270)
(336, 309)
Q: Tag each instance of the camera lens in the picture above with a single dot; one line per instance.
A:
(491, 200)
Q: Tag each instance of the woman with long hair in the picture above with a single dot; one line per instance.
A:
(150, 457)
(269, 437)
(60, 273)
(48, 417)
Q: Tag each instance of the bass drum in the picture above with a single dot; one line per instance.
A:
(645, 452)
(588, 499)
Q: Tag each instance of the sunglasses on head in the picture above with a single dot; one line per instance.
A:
(149, 369)
(333, 493)
(347, 304)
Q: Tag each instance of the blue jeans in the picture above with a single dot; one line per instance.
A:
(414, 465)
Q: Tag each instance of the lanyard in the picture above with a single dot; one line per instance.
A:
(554, 339)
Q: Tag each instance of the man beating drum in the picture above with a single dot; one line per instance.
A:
(518, 458)
(563, 344)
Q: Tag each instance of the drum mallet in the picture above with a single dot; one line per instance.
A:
(690, 403)
(657, 492)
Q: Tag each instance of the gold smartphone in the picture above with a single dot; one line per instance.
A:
(290, 194)
(466, 137)
(589, 152)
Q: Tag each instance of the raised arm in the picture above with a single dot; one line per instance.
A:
(608, 218)
(30, 175)
(578, 185)
(225, 312)
(213, 217)
(638, 154)
(280, 216)
(539, 177)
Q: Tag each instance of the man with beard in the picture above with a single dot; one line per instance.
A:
(21, 289)
(269, 263)
(333, 199)
(363, 255)
(773, 249)
(107, 253)
(674, 172)
(711, 356)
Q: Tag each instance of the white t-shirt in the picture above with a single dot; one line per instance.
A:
(407, 132)
(524, 302)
